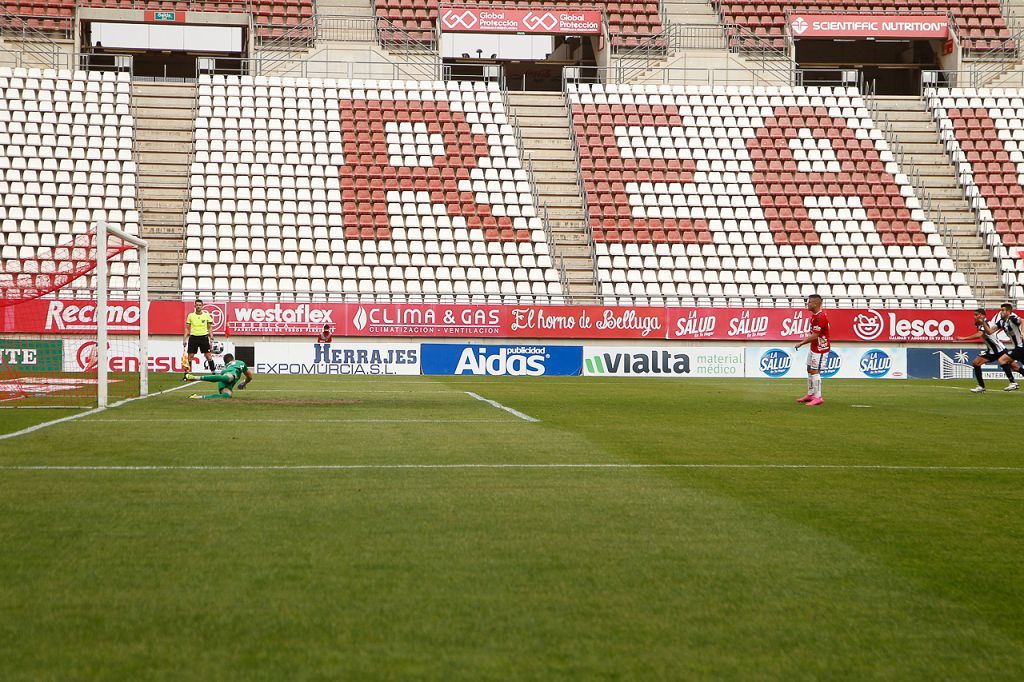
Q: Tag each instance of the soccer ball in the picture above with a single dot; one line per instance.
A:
(217, 348)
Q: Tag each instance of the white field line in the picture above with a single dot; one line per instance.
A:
(612, 466)
(43, 407)
(517, 413)
(95, 410)
(312, 421)
(345, 390)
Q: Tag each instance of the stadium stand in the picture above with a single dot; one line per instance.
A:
(629, 23)
(400, 190)
(984, 136)
(980, 23)
(712, 195)
(274, 15)
(67, 162)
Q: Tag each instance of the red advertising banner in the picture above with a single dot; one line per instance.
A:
(803, 25)
(438, 320)
(69, 316)
(445, 320)
(865, 325)
(538, 20)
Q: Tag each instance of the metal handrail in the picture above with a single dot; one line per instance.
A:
(724, 76)
(653, 48)
(32, 41)
(772, 59)
(340, 27)
(997, 61)
(580, 184)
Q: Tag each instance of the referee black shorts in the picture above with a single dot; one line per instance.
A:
(198, 344)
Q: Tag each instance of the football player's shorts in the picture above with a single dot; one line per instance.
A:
(1017, 353)
(815, 359)
(991, 357)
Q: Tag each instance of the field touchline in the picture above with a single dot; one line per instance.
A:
(510, 465)
(96, 410)
(517, 413)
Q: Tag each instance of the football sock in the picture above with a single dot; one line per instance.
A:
(810, 384)
(816, 385)
(217, 378)
(214, 396)
(210, 366)
(977, 375)
(1008, 372)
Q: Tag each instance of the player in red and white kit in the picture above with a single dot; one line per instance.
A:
(820, 346)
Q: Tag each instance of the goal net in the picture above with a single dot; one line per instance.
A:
(73, 319)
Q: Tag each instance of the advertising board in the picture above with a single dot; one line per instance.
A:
(372, 359)
(526, 360)
(844, 362)
(663, 361)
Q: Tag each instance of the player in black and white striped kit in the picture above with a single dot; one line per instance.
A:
(994, 351)
(1010, 324)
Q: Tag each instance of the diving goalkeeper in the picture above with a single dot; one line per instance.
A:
(227, 380)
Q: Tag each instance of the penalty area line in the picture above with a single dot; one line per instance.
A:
(95, 410)
(492, 403)
(583, 465)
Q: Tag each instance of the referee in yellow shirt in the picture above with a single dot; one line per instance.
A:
(199, 336)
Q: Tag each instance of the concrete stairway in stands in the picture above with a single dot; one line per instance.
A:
(918, 138)
(348, 8)
(702, 53)
(164, 125)
(690, 12)
(543, 121)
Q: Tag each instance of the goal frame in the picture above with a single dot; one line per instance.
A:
(102, 305)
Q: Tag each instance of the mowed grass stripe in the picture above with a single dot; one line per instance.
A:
(542, 577)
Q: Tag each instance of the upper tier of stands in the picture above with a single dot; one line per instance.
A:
(980, 23)
(700, 193)
(56, 15)
(983, 131)
(332, 188)
(67, 162)
(628, 22)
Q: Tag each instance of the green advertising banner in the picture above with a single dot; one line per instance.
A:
(32, 355)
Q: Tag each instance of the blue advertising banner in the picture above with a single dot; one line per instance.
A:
(519, 361)
(844, 362)
(948, 363)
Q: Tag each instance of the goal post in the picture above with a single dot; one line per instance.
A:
(102, 304)
(74, 326)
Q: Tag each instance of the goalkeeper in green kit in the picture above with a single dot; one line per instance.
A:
(229, 378)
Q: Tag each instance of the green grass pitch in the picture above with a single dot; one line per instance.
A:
(358, 528)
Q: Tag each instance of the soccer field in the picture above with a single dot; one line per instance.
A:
(414, 528)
